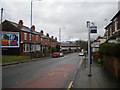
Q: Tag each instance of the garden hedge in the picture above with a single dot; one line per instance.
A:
(110, 49)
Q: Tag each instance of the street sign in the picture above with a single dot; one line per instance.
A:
(93, 29)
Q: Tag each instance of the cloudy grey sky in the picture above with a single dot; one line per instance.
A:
(50, 15)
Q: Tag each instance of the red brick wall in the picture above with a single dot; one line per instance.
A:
(22, 36)
(111, 64)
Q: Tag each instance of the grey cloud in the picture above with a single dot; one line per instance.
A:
(50, 16)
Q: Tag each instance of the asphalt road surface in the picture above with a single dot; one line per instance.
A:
(45, 73)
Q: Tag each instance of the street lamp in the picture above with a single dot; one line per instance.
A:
(31, 26)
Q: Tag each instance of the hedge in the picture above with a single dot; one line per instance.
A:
(110, 49)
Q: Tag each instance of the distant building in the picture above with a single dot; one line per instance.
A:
(96, 43)
(70, 46)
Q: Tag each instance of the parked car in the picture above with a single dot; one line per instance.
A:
(61, 54)
(81, 54)
(56, 54)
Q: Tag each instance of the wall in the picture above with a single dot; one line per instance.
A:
(112, 64)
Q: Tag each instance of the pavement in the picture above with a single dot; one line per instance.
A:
(100, 77)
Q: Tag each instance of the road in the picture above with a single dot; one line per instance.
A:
(46, 73)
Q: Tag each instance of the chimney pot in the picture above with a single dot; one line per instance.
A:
(33, 27)
(41, 32)
(47, 35)
(20, 24)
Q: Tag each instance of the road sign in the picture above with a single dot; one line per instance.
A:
(93, 29)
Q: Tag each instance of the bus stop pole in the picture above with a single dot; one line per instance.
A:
(89, 62)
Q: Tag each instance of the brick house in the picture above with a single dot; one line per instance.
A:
(27, 38)
(47, 41)
(112, 63)
(113, 29)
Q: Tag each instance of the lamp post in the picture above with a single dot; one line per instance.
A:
(31, 4)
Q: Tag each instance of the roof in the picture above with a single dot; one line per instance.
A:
(118, 13)
(108, 25)
(24, 28)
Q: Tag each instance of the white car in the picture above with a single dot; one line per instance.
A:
(81, 54)
(61, 54)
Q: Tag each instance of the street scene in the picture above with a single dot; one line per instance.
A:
(59, 44)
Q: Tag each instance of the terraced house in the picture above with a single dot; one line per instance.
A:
(113, 29)
(18, 39)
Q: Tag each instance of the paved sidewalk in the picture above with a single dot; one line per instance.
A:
(100, 78)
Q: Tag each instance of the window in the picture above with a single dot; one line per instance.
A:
(25, 36)
(36, 37)
(116, 24)
(29, 36)
(41, 39)
(38, 47)
(26, 48)
(33, 48)
(110, 30)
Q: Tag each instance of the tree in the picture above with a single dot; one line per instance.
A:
(84, 44)
(57, 48)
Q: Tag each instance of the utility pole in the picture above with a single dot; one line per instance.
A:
(1, 44)
(1, 34)
(1, 14)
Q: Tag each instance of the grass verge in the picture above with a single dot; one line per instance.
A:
(7, 59)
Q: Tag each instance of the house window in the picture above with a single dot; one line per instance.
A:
(110, 30)
(25, 36)
(116, 24)
(33, 48)
(29, 36)
(36, 37)
(26, 48)
(38, 47)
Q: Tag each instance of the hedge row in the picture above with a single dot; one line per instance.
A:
(110, 49)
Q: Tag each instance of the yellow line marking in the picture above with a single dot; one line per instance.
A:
(70, 85)
(80, 62)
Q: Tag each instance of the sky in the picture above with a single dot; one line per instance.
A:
(69, 15)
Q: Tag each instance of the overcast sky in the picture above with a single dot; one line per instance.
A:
(69, 15)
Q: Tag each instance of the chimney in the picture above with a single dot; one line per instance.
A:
(20, 24)
(52, 37)
(41, 32)
(33, 28)
(47, 35)
(56, 38)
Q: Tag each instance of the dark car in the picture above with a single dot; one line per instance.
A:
(56, 54)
